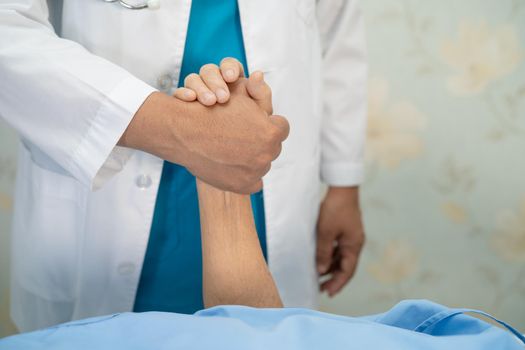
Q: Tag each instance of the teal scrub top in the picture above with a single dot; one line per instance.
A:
(171, 278)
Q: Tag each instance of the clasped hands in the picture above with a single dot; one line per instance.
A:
(228, 140)
(221, 128)
(340, 233)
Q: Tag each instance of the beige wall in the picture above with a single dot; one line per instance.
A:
(444, 201)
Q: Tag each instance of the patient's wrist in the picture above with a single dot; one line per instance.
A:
(231, 211)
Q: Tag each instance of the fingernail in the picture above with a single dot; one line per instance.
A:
(321, 268)
(208, 97)
(258, 75)
(230, 74)
(222, 95)
(188, 94)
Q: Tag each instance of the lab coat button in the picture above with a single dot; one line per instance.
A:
(126, 268)
(143, 181)
(164, 82)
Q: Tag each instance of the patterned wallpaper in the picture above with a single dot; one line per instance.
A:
(444, 199)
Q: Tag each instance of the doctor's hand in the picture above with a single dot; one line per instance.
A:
(230, 146)
(340, 237)
(210, 86)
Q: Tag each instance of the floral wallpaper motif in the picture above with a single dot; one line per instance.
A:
(479, 55)
(393, 127)
(397, 261)
(508, 241)
(444, 198)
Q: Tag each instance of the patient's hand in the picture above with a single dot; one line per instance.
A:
(212, 84)
(234, 269)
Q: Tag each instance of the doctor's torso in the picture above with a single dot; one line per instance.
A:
(79, 253)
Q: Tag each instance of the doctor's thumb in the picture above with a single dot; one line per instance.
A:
(259, 91)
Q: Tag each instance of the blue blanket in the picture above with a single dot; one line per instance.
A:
(409, 325)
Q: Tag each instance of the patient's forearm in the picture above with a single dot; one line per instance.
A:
(234, 270)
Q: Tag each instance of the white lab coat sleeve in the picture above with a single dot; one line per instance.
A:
(69, 105)
(344, 76)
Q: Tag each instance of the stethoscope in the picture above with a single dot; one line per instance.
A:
(138, 5)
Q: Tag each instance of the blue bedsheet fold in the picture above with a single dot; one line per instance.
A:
(413, 324)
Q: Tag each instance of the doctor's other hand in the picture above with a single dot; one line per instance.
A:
(230, 146)
(340, 238)
(210, 86)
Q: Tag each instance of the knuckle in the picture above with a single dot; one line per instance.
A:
(286, 126)
(274, 135)
(266, 157)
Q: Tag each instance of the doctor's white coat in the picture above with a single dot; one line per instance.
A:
(84, 206)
